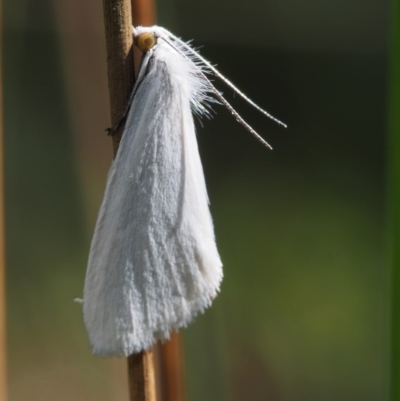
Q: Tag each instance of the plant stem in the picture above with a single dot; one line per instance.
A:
(172, 380)
(118, 27)
(3, 347)
(142, 386)
(121, 75)
(394, 199)
(118, 23)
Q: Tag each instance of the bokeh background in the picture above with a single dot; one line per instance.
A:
(303, 311)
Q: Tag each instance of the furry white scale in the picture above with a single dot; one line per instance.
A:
(153, 263)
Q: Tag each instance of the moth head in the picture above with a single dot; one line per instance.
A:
(145, 41)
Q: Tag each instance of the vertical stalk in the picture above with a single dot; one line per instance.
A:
(142, 381)
(118, 27)
(3, 359)
(117, 16)
(172, 380)
(121, 76)
(143, 12)
(394, 199)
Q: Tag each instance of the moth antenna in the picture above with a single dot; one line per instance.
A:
(226, 80)
(237, 116)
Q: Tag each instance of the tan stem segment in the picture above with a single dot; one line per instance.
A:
(143, 12)
(118, 27)
(118, 23)
(142, 386)
(172, 379)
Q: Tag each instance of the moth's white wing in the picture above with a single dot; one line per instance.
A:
(153, 263)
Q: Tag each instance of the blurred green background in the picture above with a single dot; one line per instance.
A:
(303, 311)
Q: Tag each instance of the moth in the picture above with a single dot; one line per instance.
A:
(153, 262)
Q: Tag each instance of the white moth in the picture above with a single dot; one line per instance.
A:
(153, 263)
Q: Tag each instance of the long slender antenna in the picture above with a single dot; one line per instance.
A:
(225, 80)
(237, 116)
